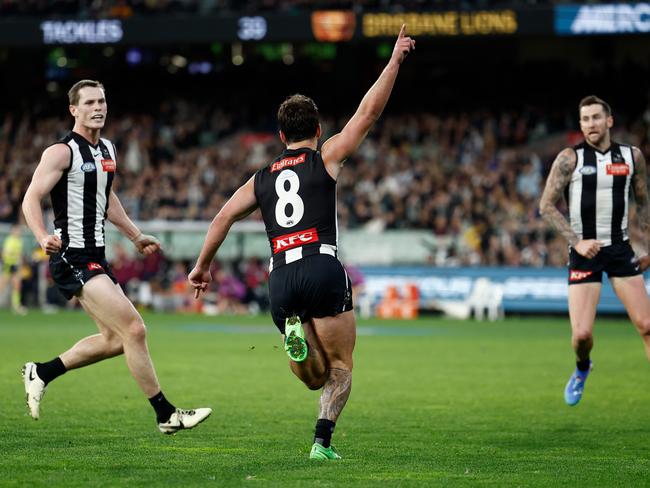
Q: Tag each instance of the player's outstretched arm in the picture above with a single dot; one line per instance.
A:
(339, 147)
(239, 206)
(145, 244)
(54, 161)
(640, 188)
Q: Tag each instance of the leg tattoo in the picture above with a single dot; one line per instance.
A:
(335, 393)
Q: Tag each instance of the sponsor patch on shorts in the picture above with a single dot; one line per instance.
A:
(578, 275)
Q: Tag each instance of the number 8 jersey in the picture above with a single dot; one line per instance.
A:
(297, 198)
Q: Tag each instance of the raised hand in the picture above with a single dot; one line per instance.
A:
(403, 46)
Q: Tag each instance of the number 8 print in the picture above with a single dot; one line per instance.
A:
(288, 197)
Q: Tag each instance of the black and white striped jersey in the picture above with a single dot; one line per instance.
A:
(598, 194)
(80, 198)
(297, 198)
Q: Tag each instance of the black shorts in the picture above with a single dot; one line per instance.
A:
(315, 286)
(72, 269)
(617, 260)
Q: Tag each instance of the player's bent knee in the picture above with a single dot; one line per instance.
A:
(136, 331)
(644, 326)
(343, 364)
(315, 383)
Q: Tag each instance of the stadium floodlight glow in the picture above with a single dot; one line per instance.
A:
(179, 61)
(237, 55)
(199, 68)
(287, 55)
(216, 48)
(133, 56)
(62, 62)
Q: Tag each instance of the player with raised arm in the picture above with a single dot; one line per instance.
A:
(311, 300)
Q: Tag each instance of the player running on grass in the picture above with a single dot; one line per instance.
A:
(78, 173)
(596, 177)
(311, 300)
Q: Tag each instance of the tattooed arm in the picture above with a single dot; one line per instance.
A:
(558, 179)
(336, 392)
(640, 188)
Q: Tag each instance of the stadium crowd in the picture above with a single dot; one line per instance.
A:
(474, 177)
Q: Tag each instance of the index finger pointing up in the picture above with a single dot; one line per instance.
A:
(402, 31)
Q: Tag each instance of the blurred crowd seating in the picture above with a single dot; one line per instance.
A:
(473, 180)
(474, 177)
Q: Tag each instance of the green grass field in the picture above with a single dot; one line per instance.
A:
(434, 403)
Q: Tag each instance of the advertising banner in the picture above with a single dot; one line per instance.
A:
(318, 25)
(525, 290)
(619, 18)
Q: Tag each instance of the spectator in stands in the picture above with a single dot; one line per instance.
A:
(472, 178)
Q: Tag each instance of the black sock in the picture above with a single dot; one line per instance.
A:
(324, 431)
(163, 408)
(50, 370)
(583, 365)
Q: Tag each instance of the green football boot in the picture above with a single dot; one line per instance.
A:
(322, 453)
(294, 340)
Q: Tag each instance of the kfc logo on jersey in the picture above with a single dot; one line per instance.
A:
(618, 169)
(95, 267)
(577, 275)
(289, 241)
(108, 165)
(288, 162)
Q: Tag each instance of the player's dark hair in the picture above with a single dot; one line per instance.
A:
(594, 100)
(298, 118)
(73, 93)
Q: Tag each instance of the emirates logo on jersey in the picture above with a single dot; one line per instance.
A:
(289, 241)
(618, 169)
(288, 162)
(577, 275)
